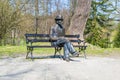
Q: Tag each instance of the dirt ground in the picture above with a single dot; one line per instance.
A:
(92, 68)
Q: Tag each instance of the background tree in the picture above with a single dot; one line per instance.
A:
(10, 18)
(98, 24)
(117, 37)
(80, 13)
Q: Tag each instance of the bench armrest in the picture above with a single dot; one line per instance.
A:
(82, 42)
(51, 40)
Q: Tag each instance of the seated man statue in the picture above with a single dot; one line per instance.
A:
(57, 33)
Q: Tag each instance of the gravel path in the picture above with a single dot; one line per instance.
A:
(93, 68)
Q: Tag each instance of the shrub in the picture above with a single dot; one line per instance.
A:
(117, 37)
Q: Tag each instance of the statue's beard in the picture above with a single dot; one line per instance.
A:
(60, 25)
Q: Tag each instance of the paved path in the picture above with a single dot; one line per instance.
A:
(93, 68)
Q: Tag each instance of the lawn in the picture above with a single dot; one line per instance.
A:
(17, 50)
(92, 51)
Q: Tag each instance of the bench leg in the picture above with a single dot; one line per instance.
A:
(31, 52)
(60, 55)
(82, 49)
(28, 51)
(58, 49)
(84, 54)
(27, 54)
(55, 52)
(79, 49)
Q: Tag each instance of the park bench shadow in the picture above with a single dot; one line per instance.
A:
(56, 57)
(52, 57)
(46, 57)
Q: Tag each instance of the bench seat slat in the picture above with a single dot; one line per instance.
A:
(72, 36)
(37, 35)
(74, 41)
(38, 40)
(46, 40)
(47, 35)
(43, 46)
(48, 46)
(79, 46)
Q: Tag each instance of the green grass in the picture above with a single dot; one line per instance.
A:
(11, 50)
(16, 50)
(103, 51)
(94, 51)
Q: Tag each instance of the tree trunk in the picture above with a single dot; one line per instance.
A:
(36, 14)
(79, 17)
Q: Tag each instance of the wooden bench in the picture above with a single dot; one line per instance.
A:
(40, 38)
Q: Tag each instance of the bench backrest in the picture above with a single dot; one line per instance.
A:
(37, 37)
(73, 38)
(45, 38)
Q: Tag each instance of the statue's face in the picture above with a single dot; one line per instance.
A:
(59, 21)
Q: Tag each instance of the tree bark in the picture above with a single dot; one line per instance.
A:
(36, 14)
(79, 17)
